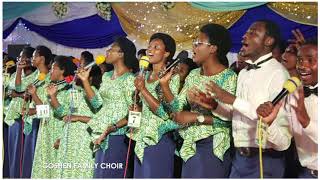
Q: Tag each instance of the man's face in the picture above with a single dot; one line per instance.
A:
(253, 41)
(307, 64)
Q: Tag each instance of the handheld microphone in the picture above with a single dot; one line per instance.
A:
(99, 60)
(60, 82)
(143, 64)
(10, 64)
(289, 87)
(41, 77)
(181, 56)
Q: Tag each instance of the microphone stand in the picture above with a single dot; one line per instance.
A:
(71, 109)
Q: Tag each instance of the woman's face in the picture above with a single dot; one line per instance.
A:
(183, 71)
(23, 59)
(113, 54)
(36, 59)
(289, 58)
(56, 73)
(82, 61)
(201, 49)
(157, 51)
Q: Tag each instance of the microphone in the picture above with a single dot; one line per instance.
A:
(60, 82)
(41, 77)
(10, 64)
(181, 56)
(99, 60)
(143, 64)
(289, 87)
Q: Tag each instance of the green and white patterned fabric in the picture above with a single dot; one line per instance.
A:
(50, 129)
(115, 98)
(220, 130)
(154, 126)
(42, 94)
(75, 142)
(15, 106)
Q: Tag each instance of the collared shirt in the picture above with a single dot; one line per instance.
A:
(255, 87)
(306, 139)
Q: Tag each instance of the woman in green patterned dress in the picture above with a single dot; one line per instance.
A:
(13, 113)
(206, 135)
(46, 162)
(116, 96)
(73, 150)
(154, 148)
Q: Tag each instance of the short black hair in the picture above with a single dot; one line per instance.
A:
(219, 36)
(87, 56)
(28, 51)
(66, 64)
(272, 30)
(168, 41)
(282, 45)
(46, 53)
(96, 75)
(142, 52)
(129, 53)
(192, 65)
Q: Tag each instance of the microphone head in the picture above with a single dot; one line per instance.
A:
(41, 76)
(144, 62)
(291, 84)
(182, 55)
(10, 63)
(100, 59)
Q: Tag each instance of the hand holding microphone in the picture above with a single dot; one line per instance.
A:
(32, 88)
(269, 110)
(83, 72)
(181, 56)
(143, 65)
(41, 77)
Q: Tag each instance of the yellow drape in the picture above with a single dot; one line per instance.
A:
(182, 22)
(141, 19)
(300, 12)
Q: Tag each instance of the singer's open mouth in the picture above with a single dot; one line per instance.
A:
(305, 73)
(244, 44)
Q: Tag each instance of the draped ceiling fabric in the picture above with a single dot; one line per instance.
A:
(82, 28)
(263, 12)
(17, 9)
(225, 6)
(304, 13)
(141, 20)
(89, 32)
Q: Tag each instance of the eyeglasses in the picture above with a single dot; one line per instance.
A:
(196, 43)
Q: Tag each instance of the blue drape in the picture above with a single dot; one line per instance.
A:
(90, 32)
(263, 12)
